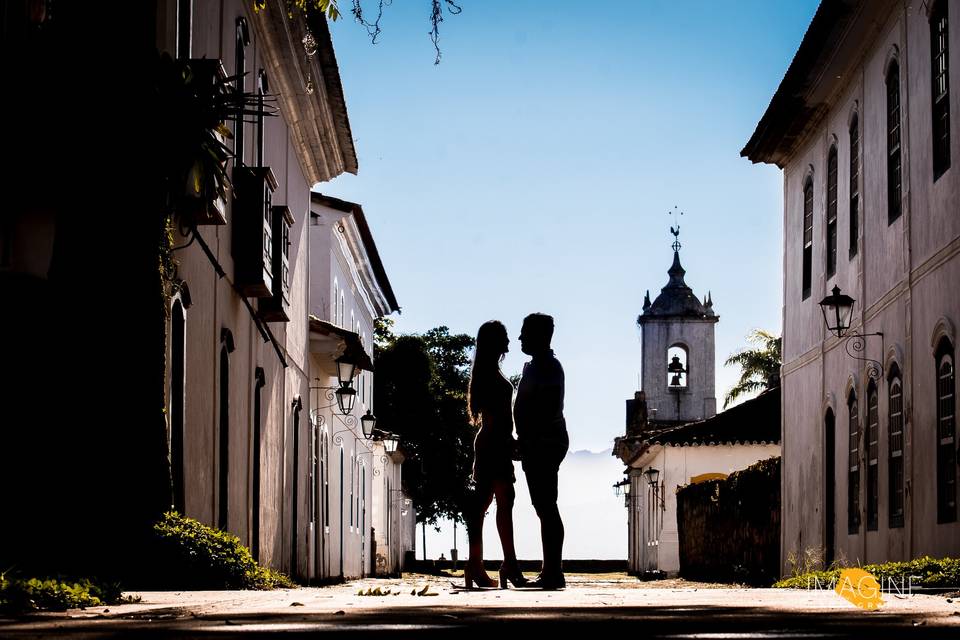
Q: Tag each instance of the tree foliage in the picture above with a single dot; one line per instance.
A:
(758, 365)
(331, 9)
(421, 394)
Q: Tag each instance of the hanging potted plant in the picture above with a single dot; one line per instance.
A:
(197, 99)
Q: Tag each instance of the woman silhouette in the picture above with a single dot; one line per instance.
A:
(489, 402)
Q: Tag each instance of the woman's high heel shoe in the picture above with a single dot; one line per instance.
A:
(481, 579)
(512, 575)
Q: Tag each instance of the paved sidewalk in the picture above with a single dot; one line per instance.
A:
(590, 604)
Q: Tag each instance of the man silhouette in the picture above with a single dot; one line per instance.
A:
(542, 439)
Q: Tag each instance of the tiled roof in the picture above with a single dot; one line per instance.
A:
(756, 420)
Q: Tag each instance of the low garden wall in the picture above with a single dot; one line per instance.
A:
(730, 529)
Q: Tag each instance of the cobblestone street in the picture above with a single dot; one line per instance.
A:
(590, 604)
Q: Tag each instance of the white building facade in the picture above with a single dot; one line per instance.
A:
(358, 483)
(861, 126)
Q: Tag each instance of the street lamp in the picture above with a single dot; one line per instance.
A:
(837, 309)
(653, 479)
(345, 372)
(653, 475)
(390, 442)
(621, 488)
(346, 398)
(368, 422)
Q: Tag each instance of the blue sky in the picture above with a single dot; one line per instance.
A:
(532, 170)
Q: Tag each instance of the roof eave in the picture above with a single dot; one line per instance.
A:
(376, 263)
(793, 110)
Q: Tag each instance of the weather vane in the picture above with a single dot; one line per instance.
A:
(675, 230)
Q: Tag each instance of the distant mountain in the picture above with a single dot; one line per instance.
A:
(595, 521)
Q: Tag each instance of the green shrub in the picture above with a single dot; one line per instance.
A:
(926, 572)
(21, 595)
(194, 556)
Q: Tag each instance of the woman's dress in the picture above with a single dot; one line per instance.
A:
(494, 444)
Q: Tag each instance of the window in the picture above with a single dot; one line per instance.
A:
(178, 389)
(854, 185)
(325, 477)
(184, 27)
(895, 452)
(946, 434)
(240, 69)
(941, 89)
(341, 497)
(873, 457)
(853, 467)
(260, 381)
(313, 470)
(352, 465)
(829, 485)
(224, 459)
(295, 485)
(832, 211)
(807, 237)
(894, 185)
(336, 301)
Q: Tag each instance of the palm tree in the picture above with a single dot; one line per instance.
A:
(760, 365)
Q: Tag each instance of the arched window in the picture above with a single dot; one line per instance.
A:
(832, 211)
(677, 366)
(184, 27)
(358, 468)
(313, 470)
(853, 465)
(340, 523)
(178, 389)
(325, 478)
(259, 380)
(946, 433)
(807, 238)
(336, 302)
(894, 184)
(854, 185)
(873, 457)
(895, 449)
(829, 489)
(295, 489)
(224, 459)
(352, 466)
(939, 58)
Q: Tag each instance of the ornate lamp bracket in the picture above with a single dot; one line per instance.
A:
(855, 345)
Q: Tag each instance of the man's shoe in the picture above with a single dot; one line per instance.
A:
(548, 583)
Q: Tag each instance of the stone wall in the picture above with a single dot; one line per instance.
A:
(730, 529)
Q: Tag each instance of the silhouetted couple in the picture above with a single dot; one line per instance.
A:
(541, 445)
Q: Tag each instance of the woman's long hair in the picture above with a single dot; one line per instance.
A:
(491, 339)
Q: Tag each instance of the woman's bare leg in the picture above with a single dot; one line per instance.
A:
(505, 497)
(475, 529)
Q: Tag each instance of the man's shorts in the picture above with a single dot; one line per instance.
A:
(541, 466)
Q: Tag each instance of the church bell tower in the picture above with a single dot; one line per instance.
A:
(678, 352)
